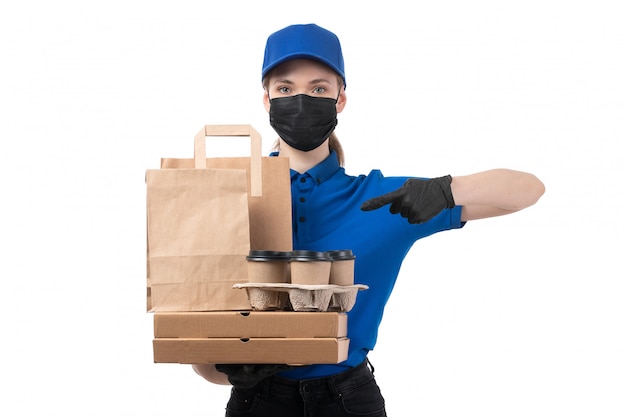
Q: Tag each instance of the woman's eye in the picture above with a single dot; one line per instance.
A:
(319, 90)
(284, 90)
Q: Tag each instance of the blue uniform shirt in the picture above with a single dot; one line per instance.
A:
(327, 215)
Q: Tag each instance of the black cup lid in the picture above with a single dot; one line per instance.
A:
(267, 255)
(309, 255)
(340, 255)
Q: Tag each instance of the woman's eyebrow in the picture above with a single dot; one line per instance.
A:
(319, 80)
(283, 81)
(289, 82)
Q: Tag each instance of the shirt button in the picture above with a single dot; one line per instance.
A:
(302, 219)
(302, 199)
(302, 179)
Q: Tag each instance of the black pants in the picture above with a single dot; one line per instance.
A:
(350, 393)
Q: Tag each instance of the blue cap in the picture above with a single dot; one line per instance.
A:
(303, 41)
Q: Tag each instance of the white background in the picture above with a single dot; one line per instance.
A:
(522, 315)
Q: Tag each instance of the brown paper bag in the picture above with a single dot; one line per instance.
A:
(205, 214)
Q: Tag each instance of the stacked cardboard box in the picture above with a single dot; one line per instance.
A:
(250, 337)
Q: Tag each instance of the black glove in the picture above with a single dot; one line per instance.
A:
(417, 200)
(247, 376)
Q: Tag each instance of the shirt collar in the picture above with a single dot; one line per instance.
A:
(322, 171)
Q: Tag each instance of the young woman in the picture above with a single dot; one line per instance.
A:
(304, 90)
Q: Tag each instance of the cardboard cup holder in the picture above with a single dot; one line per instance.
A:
(299, 297)
(301, 280)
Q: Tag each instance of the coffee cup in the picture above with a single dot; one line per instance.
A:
(342, 268)
(268, 266)
(310, 267)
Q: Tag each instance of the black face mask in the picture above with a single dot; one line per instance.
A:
(304, 122)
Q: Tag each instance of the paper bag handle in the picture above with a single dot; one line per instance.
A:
(199, 152)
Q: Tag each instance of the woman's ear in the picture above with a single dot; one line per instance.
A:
(266, 100)
(341, 100)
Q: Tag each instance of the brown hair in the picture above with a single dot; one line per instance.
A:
(333, 143)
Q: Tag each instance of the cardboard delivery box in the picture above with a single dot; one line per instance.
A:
(250, 337)
(285, 350)
(249, 324)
